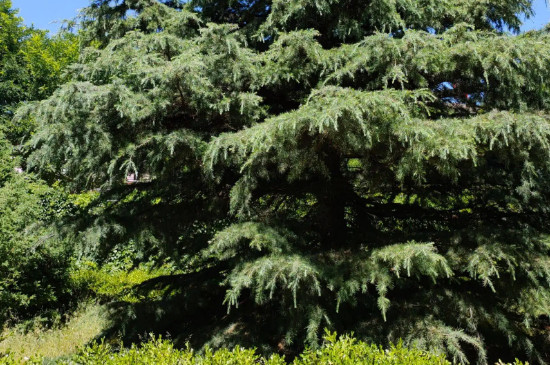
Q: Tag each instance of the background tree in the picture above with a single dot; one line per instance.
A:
(34, 265)
(31, 65)
(376, 167)
(12, 77)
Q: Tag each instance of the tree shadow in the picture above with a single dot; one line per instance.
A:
(189, 309)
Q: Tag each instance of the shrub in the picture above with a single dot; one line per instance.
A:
(159, 351)
(33, 263)
(347, 350)
(9, 359)
(341, 350)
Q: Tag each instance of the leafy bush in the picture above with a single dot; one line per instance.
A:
(9, 359)
(160, 351)
(33, 264)
(343, 351)
(347, 350)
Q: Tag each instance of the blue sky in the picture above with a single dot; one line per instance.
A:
(47, 14)
(541, 18)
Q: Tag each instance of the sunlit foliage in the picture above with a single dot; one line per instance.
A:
(381, 167)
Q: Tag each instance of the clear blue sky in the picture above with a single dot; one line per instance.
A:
(44, 13)
(48, 14)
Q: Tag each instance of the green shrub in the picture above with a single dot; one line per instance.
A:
(34, 265)
(10, 359)
(342, 351)
(348, 351)
(162, 352)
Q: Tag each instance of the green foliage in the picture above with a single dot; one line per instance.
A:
(347, 350)
(354, 21)
(7, 163)
(379, 168)
(160, 351)
(65, 337)
(9, 359)
(46, 58)
(31, 67)
(34, 262)
(109, 283)
(343, 350)
(12, 77)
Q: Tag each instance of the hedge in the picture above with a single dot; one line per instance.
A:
(344, 350)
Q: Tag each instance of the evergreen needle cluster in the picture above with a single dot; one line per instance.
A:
(377, 166)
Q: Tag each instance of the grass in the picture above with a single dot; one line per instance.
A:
(85, 326)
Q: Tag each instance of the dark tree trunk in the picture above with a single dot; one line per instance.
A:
(333, 201)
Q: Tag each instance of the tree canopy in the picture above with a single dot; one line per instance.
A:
(31, 66)
(379, 167)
